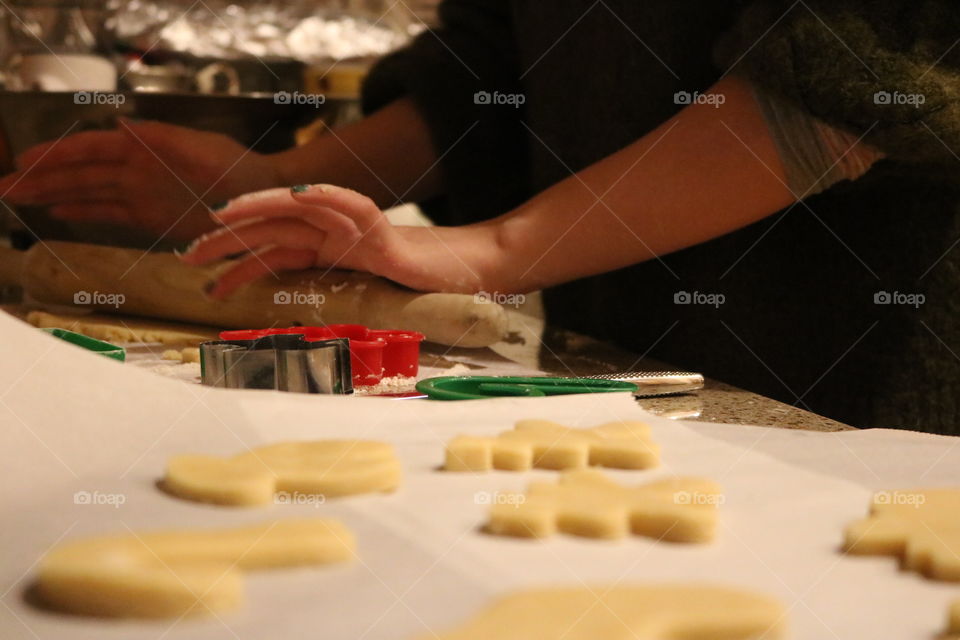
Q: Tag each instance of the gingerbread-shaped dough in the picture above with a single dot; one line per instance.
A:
(327, 468)
(587, 503)
(548, 445)
(157, 575)
(658, 612)
(922, 527)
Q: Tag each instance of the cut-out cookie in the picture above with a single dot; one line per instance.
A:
(587, 503)
(922, 527)
(657, 612)
(174, 573)
(329, 468)
(548, 445)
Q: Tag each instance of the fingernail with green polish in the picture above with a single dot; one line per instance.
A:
(219, 206)
(300, 188)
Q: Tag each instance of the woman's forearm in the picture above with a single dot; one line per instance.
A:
(709, 170)
(388, 156)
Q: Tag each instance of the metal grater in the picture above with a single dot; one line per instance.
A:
(657, 383)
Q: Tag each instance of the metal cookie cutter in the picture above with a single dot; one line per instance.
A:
(285, 362)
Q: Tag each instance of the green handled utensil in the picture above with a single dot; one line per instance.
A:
(479, 387)
(91, 344)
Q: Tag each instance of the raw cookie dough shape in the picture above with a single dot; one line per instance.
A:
(922, 527)
(587, 503)
(656, 612)
(329, 468)
(548, 445)
(175, 573)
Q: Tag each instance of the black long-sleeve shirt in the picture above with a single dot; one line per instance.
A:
(801, 320)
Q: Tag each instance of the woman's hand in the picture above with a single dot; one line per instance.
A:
(332, 227)
(148, 175)
(306, 226)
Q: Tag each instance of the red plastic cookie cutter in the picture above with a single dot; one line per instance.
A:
(374, 353)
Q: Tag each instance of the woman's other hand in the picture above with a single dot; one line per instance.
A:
(149, 175)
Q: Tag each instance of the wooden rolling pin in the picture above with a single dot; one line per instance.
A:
(158, 285)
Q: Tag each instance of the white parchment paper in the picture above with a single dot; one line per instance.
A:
(74, 422)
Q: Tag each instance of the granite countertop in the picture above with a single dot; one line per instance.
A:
(719, 402)
(536, 348)
(716, 402)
